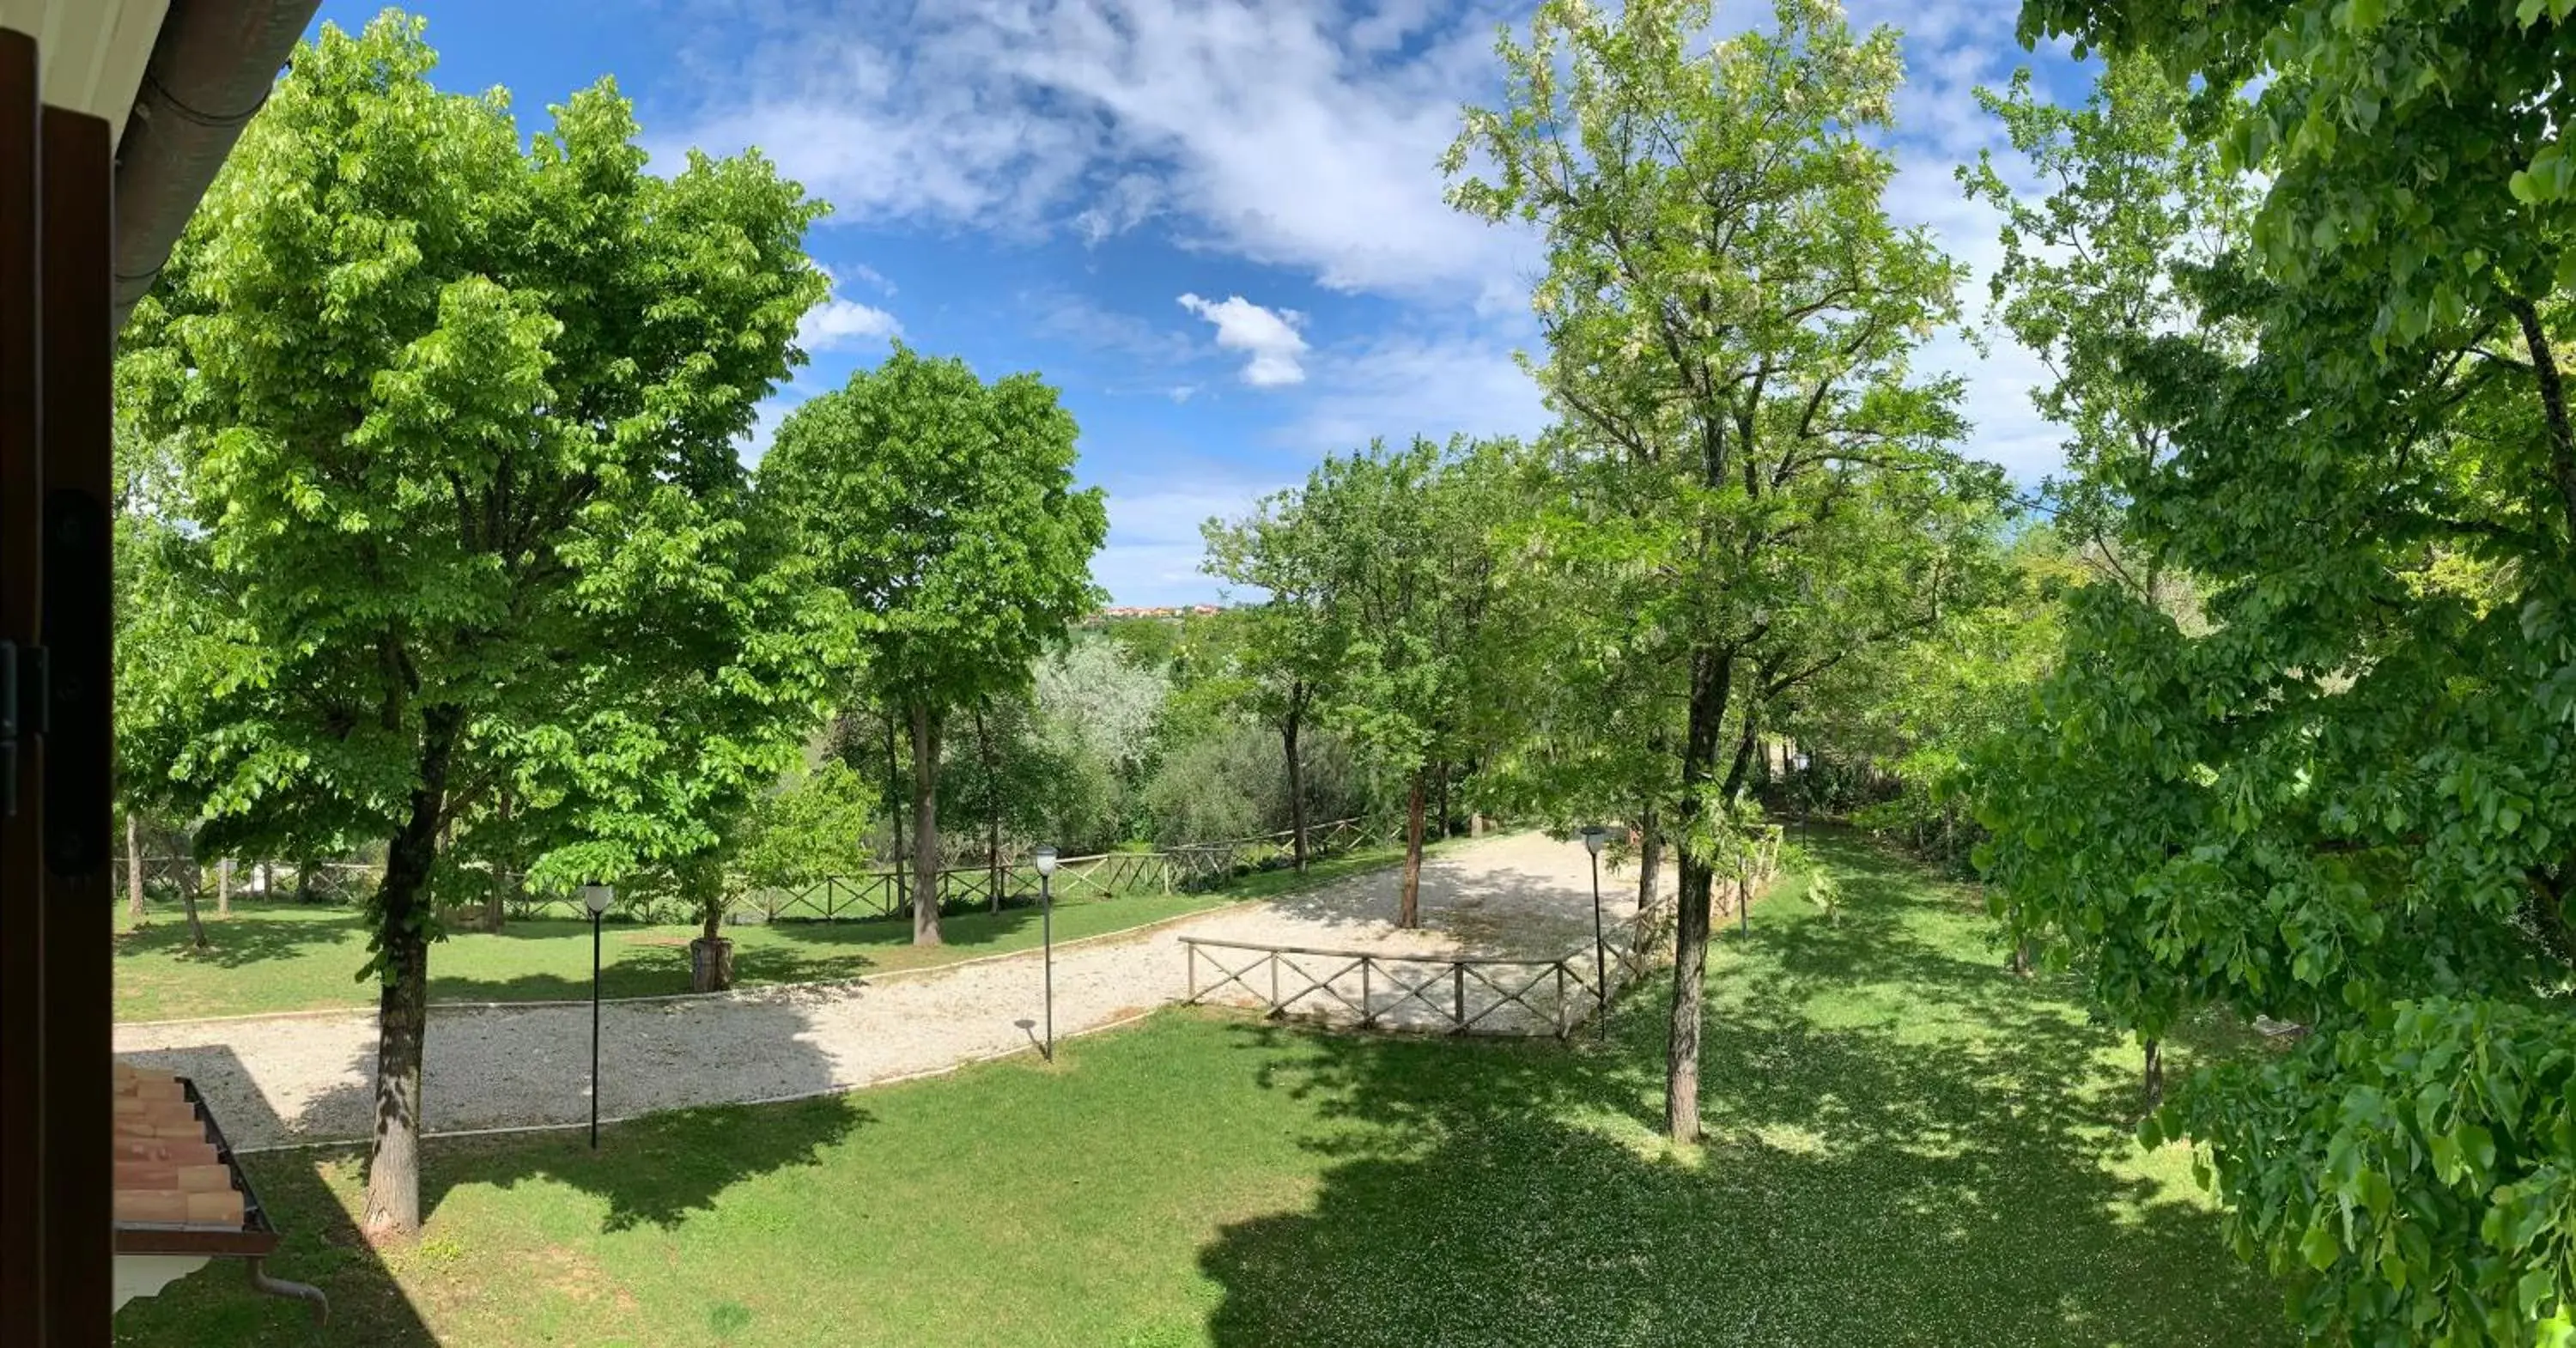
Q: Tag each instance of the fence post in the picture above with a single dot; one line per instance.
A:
(1458, 977)
(1368, 1018)
(1274, 980)
(1560, 999)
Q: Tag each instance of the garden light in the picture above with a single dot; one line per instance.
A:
(595, 896)
(1045, 858)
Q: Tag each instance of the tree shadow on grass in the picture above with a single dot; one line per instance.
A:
(250, 935)
(655, 1171)
(1907, 1145)
(318, 1244)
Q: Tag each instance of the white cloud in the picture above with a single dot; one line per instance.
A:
(1154, 545)
(840, 322)
(1401, 385)
(837, 323)
(1301, 134)
(1180, 393)
(1126, 203)
(1268, 336)
(1287, 132)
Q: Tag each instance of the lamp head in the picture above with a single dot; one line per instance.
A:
(596, 896)
(1593, 837)
(1045, 859)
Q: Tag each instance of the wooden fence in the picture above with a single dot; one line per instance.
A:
(1454, 994)
(869, 894)
(321, 882)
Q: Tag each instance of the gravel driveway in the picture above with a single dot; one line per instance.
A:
(286, 1079)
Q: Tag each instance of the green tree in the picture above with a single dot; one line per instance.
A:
(2347, 799)
(1753, 481)
(1287, 648)
(452, 410)
(2089, 268)
(812, 825)
(944, 507)
(1405, 549)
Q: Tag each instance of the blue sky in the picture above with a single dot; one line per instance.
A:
(1215, 224)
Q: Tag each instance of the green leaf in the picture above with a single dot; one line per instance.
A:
(2320, 1246)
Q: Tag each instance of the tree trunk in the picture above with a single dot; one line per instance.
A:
(894, 809)
(1650, 857)
(402, 1008)
(2152, 1088)
(504, 881)
(1408, 909)
(1690, 964)
(1712, 681)
(992, 810)
(133, 869)
(711, 955)
(1296, 790)
(925, 824)
(187, 878)
(224, 887)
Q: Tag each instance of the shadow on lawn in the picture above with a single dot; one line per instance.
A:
(251, 934)
(318, 1244)
(656, 1171)
(647, 962)
(1907, 1145)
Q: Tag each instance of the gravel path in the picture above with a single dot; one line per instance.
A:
(307, 1078)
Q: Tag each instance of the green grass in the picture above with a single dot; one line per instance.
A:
(1908, 1147)
(283, 956)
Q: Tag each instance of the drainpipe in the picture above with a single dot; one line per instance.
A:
(211, 68)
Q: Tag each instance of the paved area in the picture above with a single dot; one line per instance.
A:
(308, 1078)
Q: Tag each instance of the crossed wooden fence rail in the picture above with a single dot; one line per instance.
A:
(1460, 994)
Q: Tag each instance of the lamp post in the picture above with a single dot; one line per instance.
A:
(596, 897)
(1045, 859)
(1593, 837)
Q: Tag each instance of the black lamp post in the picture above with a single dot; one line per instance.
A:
(1593, 837)
(1045, 859)
(596, 897)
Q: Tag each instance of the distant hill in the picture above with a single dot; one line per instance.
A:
(1162, 611)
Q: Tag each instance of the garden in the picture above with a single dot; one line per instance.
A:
(1908, 1145)
(2170, 940)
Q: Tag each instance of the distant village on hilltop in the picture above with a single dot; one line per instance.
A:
(1158, 611)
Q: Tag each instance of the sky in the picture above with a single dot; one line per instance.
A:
(1215, 225)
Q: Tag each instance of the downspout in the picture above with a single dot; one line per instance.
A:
(211, 69)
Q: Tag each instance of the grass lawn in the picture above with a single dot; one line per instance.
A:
(284, 956)
(1908, 1146)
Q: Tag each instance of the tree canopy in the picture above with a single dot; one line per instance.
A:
(2344, 794)
(454, 414)
(1753, 483)
(944, 508)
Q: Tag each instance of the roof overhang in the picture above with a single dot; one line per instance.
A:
(90, 54)
(177, 80)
